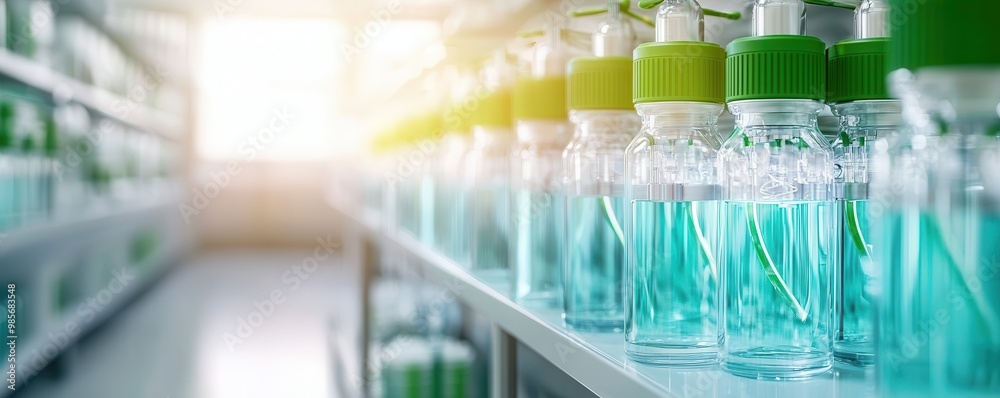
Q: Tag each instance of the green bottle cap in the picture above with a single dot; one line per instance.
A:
(776, 67)
(679, 71)
(599, 83)
(856, 70)
(928, 33)
(28, 144)
(493, 110)
(540, 98)
(51, 136)
(6, 125)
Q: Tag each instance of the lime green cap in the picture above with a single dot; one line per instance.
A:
(776, 67)
(540, 98)
(679, 71)
(944, 33)
(856, 70)
(493, 110)
(456, 118)
(599, 83)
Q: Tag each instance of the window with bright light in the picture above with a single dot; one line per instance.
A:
(268, 91)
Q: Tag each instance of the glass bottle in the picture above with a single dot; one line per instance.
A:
(594, 236)
(776, 171)
(672, 219)
(600, 102)
(536, 220)
(7, 162)
(450, 225)
(488, 174)
(867, 114)
(488, 168)
(937, 205)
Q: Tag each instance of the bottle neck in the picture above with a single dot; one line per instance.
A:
(869, 117)
(672, 118)
(551, 134)
(756, 116)
(491, 135)
(603, 124)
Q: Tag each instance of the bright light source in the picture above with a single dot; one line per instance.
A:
(254, 69)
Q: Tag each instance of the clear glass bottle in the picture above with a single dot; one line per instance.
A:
(776, 171)
(594, 243)
(451, 224)
(673, 232)
(428, 148)
(776, 258)
(602, 112)
(858, 96)
(537, 211)
(536, 219)
(450, 231)
(672, 219)
(857, 278)
(488, 173)
(7, 162)
(937, 203)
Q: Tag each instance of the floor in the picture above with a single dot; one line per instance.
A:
(226, 324)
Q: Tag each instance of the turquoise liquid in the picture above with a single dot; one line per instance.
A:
(594, 263)
(427, 210)
(537, 254)
(450, 223)
(765, 335)
(489, 209)
(857, 282)
(674, 279)
(7, 193)
(940, 333)
(442, 222)
(408, 207)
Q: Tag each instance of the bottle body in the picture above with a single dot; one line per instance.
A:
(537, 212)
(776, 257)
(593, 246)
(938, 197)
(672, 232)
(857, 278)
(488, 179)
(450, 228)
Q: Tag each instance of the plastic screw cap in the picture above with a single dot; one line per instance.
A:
(679, 71)
(856, 70)
(600, 83)
(776, 67)
(540, 98)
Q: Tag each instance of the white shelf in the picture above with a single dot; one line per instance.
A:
(39, 77)
(595, 360)
(24, 239)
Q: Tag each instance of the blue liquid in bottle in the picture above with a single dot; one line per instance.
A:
(489, 208)
(859, 286)
(776, 272)
(943, 273)
(537, 253)
(594, 270)
(675, 277)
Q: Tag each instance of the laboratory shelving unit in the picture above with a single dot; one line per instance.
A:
(595, 360)
(61, 296)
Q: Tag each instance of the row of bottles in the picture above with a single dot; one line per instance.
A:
(768, 250)
(56, 161)
(58, 36)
